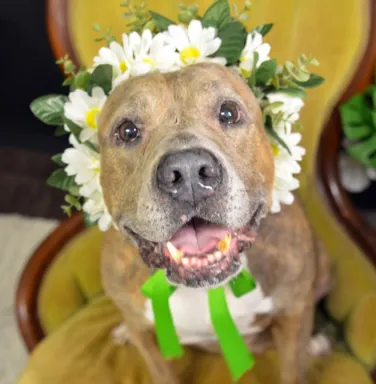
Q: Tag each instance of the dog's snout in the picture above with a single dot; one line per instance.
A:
(189, 176)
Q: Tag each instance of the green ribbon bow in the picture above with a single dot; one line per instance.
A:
(234, 349)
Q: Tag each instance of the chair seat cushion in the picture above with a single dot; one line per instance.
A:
(82, 351)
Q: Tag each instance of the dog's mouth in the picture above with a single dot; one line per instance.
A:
(205, 254)
(200, 253)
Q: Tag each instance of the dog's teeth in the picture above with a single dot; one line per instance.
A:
(183, 219)
(174, 253)
(185, 261)
(204, 262)
(250, 238)
(193, 261)
(224, 244)
(218, 255)
(211, 258)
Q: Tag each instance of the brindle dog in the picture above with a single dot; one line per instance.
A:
(187, 175)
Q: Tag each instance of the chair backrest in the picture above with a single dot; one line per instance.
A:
(329, 149)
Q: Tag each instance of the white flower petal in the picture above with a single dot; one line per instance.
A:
(177, 36)
(105, 222)
(212, 47)
(195, 32)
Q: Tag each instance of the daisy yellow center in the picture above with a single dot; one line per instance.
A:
(245, 73)
(123, 66)
(189, 55)
(92, 117)
(275, 149)
(149, 61)
(243, 59)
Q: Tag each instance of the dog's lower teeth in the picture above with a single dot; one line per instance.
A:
(218, 255)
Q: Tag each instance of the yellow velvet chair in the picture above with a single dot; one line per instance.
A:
(67, 302)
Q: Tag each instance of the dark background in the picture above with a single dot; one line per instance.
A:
(27, 70)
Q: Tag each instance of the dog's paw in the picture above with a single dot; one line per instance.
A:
(120, 334)
(320, 345)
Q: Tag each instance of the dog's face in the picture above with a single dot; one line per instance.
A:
(187, 170)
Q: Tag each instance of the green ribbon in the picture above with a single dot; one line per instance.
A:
(158, 290)
(234, 349)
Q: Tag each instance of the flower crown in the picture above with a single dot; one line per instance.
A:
(156, 43)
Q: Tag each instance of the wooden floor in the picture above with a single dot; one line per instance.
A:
(23, 188)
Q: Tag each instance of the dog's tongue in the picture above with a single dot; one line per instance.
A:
(198, 239)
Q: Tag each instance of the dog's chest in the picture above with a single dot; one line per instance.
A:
(190, 311)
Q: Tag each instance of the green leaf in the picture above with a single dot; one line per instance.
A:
(73, 201)
(296, 92)
(356, 118)
(359, 126)
(68, 81)
(57, 159)
(60, 131)
(185, 17)
(252, 78)
(101, 77)
(91, 146)
(217, 15)
(81, 80)
(263, 29)
(60, 180)
(73, 128)
(266, 72)
(75, 191)
(312, 82)
(274, 135)
(67, 209)
(233, 37)
(364, 151)
(299, 75)
(162, 22)
(49, 109)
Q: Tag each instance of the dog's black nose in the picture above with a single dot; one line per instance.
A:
(190, 175)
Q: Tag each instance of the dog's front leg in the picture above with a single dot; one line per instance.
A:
(160, 370)
(291, 334)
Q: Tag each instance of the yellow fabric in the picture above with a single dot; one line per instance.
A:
(72, 280)
(82, 352)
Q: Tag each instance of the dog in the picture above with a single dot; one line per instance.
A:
(186, 164)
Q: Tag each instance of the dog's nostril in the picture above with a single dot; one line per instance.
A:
(208, 172)
(176, 177)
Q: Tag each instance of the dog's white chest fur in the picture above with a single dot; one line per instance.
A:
(190, 311)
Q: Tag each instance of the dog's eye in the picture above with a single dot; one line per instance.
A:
(229, 113)
(127, 132)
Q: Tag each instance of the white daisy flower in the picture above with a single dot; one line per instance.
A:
(286, 166)
(120, 57)
(152, 53)
(84, 164)
(195, 43)
(96, 208)
(291, 107)
(254, 44)
(84, 111)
